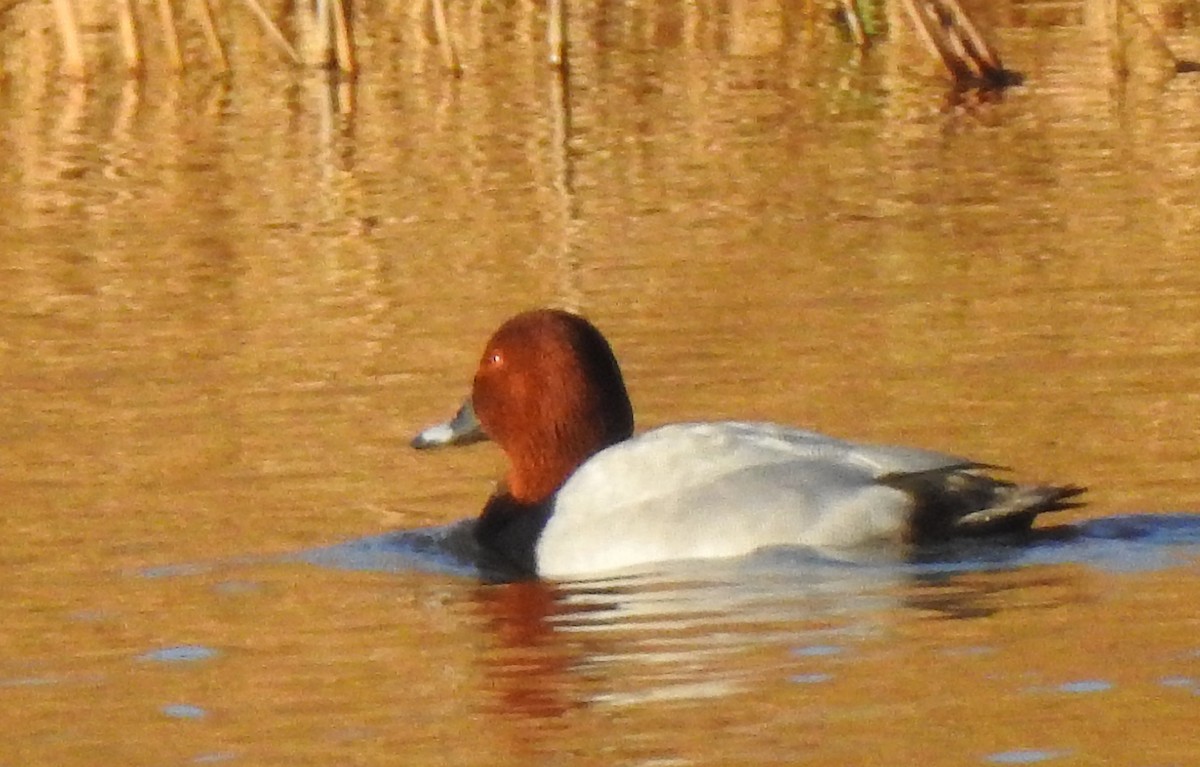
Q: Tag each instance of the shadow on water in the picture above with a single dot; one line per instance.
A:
(1135, 542)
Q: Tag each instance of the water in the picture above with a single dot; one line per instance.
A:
(228, 307)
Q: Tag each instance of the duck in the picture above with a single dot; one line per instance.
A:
(583, 495)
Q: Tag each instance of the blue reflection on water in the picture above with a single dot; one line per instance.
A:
(1178, 681)
(1086, 686)
(1025, 756)
(817, 650)
(1132, 543)
(188, 653)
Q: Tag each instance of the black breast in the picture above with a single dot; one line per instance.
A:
(507, 532)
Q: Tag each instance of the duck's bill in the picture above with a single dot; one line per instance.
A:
(462, 429)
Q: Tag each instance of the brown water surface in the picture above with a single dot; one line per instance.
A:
(227, 306)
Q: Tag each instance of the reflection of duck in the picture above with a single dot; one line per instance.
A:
(582, 495)
(690, 632)
(529, 669)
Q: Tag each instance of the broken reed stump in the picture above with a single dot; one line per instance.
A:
(556, 33)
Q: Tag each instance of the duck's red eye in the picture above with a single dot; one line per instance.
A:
(495, 359)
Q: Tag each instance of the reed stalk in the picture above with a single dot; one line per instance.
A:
(929, 28)
(931, 43)
(952, 38)
(319, 38)
(442, 27)
(556, 33)
(130, 47)
(983, 55)
(344, 42)
(209, 27)
(166, 16)
(1180, 65)
(855, 23)
(272, 30)
(68, 29)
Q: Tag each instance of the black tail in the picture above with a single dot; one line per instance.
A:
(964, 501)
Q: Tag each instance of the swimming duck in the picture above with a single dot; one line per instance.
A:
(582, 495)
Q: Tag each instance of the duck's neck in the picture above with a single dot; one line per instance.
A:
(541, 460)
(535, 476)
